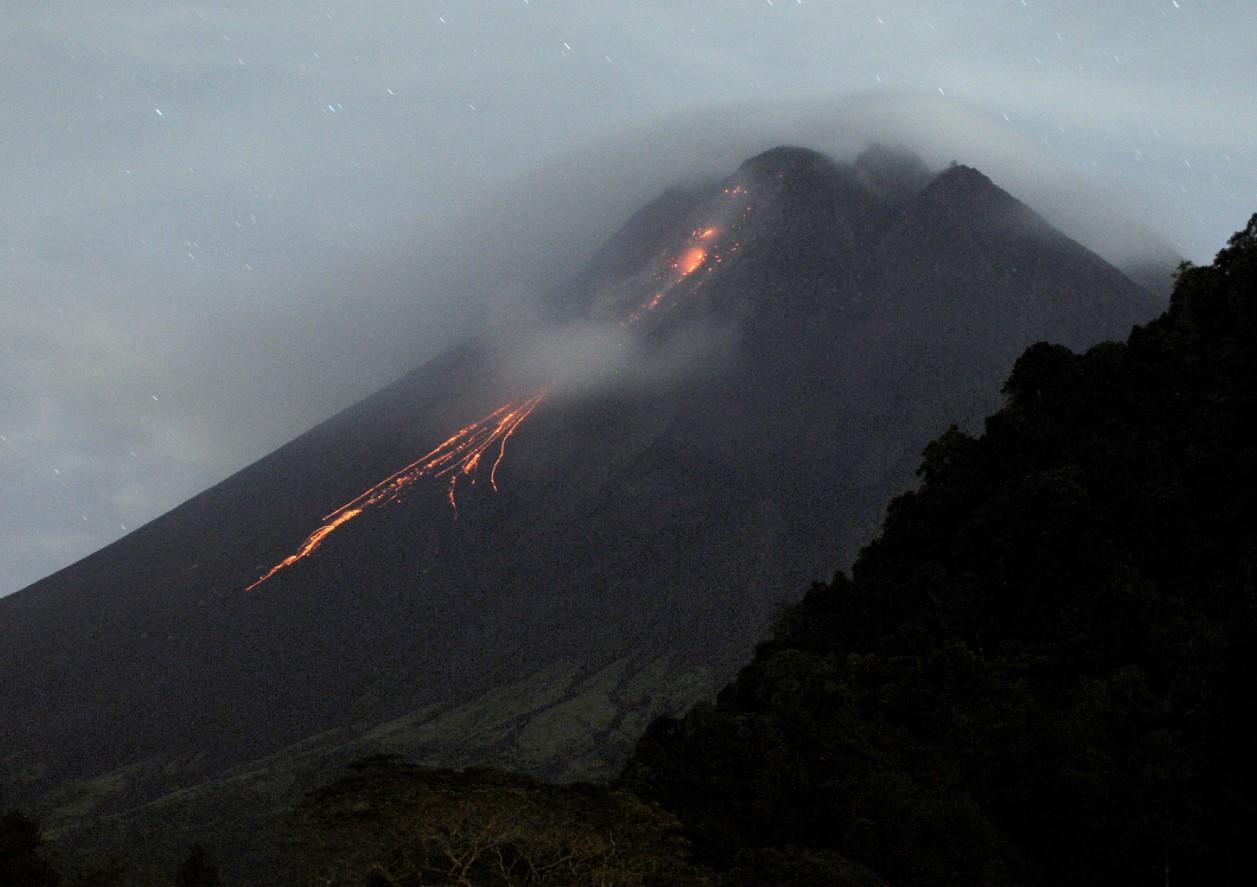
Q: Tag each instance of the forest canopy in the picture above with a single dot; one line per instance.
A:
(1044, 671)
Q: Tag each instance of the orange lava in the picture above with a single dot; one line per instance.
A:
(460, 455)
(698, 250)
(691, 260)
(311, 545)
(455, 458)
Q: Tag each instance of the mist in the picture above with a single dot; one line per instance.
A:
(222, 224)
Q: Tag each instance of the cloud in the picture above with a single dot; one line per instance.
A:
(330, 195)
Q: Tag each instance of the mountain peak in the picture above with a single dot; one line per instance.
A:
(959, 179)
(807, 338)
(964, 186)
(786, 159)
(892, 171)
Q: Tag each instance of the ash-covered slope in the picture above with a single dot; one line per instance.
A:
(765, 358)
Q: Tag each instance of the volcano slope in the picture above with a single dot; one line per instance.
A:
(763, 360)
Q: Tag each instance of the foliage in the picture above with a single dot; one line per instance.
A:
(197, 870)
(21, 864)
(1044, 670)
(109, 871)
(393, 824)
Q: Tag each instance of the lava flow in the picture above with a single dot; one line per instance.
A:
(691, 260)
(699, 251)
(459, 456)
(455, 458)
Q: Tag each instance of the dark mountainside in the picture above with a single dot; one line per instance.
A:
(834, 318)
(1044, 670)
(1041, 673)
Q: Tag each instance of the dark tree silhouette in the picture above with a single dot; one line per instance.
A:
(20, 862)
(197, 870)
(1043, 671)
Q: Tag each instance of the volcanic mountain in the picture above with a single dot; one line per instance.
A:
(521, 552)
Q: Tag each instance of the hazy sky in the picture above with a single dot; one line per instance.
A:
(220, 222)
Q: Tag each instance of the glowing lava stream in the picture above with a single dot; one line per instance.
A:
(693, 257)
(459, 456)
(456, 457)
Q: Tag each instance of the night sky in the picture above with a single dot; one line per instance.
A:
(221, 222)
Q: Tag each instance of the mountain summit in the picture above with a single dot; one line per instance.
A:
(523, 551)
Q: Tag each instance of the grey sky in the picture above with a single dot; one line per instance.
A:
(220, 222)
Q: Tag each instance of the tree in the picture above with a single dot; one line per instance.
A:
(20, 862)
(1043, 670)
(392, 823)
(197, 870)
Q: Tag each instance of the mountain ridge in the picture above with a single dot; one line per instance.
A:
(757, 455)
(1041, 671)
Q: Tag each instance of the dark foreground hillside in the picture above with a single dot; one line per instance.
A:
(1045, 670)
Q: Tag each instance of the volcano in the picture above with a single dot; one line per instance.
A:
(500, 559)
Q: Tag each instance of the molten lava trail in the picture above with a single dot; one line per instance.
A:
(456, 458)
(460, 456)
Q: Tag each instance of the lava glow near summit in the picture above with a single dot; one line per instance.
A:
(459, 456)
(690, 261)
